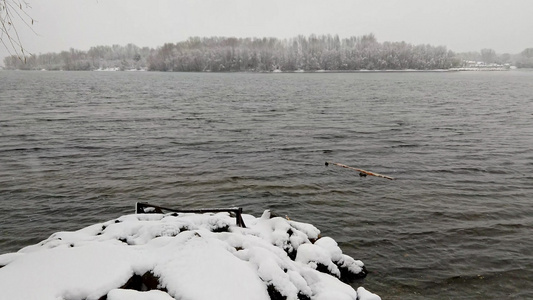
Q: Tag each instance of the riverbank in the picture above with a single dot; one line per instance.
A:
(184, 256)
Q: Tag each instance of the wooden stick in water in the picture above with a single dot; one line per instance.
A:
(361, 172)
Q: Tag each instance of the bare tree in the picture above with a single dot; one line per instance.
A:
(488, 55)
(12, 14)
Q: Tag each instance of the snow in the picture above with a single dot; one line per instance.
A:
(366, 295)
(120, 294)
(75, 273)
(190, 277)
(185, 256)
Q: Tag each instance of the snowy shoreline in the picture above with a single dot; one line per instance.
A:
(462, 69)
(184, 256)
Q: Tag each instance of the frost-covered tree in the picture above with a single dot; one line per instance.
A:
(525, 59)
(488, 56)
(221, 54)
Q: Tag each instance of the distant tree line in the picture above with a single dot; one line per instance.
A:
(222, 54)
(99, 57)
(489, 56)
(311, 53)
(526, 59)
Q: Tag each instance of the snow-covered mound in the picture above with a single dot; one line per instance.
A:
(183, 256)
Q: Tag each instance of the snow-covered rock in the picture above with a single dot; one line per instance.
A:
(183, 256)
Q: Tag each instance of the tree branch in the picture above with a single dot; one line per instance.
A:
(13, 12)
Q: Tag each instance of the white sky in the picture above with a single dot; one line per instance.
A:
(461, 25)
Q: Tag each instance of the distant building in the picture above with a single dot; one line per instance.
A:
(470, 65)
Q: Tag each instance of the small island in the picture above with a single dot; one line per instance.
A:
(324, 53)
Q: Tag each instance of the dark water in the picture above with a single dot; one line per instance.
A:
(82, 148)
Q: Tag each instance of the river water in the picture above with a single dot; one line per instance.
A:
(78, 148)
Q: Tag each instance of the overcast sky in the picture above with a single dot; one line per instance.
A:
(461, 25)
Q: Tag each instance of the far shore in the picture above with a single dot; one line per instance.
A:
(295, 71)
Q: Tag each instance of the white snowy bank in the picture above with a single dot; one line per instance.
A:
(183, 256)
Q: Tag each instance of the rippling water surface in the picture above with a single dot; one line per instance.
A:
(81, 148)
